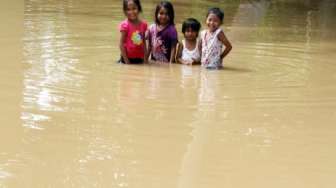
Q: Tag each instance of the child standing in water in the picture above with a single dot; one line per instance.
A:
(188, 52)
(162, 34)
(213, 40)
(132, 44)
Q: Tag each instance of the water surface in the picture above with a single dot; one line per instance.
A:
(72, 117)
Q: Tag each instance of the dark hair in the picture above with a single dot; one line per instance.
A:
(170, 10)
(191, 23)
(218, 12)
(137, 2)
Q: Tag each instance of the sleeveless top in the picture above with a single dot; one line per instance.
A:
(190, 55)
(211, 49)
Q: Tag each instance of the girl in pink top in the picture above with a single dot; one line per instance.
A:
(132, 41)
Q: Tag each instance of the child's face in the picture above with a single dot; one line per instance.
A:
(162, 16)
(190, 34)
(132, 11)
(213, 22)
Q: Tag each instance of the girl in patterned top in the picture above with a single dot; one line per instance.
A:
(213, 39)
(162, 35)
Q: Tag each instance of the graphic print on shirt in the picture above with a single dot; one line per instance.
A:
(136, 38)
(159, 49)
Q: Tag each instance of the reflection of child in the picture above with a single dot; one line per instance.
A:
(132, 43)
(213, 40)
(188, 52)
(163, 35)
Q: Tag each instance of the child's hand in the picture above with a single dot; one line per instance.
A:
(195, 61)
(160, 62)
(188, 62)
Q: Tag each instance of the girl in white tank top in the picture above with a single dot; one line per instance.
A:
(191, 55)
(189, 52)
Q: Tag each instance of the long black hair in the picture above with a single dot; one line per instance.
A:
(170, 11)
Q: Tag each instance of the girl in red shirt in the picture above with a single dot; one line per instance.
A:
(132, 41)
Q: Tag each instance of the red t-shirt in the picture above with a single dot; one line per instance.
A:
(135, 36)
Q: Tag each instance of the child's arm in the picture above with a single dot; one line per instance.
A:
(147, 46)
(174, 41)
(198, 61)
(200, 49)
(172, 54)
(227, 44)
(122, 47)
(200, 46)
(178, 53)
(178, 58)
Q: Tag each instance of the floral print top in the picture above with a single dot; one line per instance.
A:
(212, 49)
(161, 42)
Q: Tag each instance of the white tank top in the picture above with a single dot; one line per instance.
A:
(190, 55)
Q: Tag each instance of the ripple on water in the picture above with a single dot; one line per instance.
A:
(98, 119)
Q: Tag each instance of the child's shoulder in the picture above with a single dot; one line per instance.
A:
(124, 25)
(171, 29)
(202, 33)
(127, 22)
(124, 22)
(144, 22)
(219, 31)
(152, 27)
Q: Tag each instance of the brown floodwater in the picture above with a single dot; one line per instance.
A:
(71, 117)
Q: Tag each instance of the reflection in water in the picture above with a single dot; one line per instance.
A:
(33, 120)
(52, 67)
(265, 120)
(191, 167)
(4, 175)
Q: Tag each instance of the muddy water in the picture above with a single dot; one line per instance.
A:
(72, 117)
